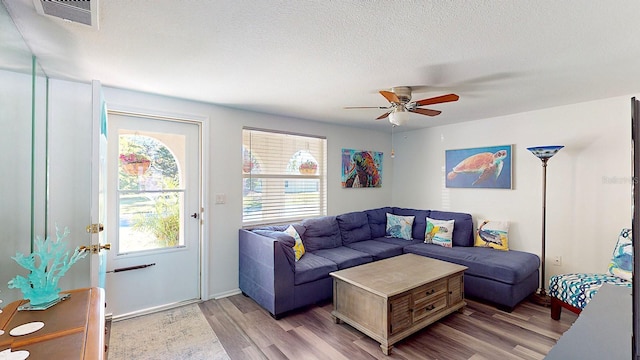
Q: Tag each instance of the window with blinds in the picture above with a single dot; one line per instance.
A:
(283, 177)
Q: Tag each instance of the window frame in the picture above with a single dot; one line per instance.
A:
(275, 172)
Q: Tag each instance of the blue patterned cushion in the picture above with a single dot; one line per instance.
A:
(622, 262)
(577, 289)
(399, 226)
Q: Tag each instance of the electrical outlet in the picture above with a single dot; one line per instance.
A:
(557, 260)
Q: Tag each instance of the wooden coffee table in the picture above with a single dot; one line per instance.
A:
(393, 298)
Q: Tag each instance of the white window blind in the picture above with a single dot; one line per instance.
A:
(283, 176)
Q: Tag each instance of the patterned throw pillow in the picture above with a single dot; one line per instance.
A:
(493, 234)
(439, 232)
(622, 262)
(298, 247)
(399, 226)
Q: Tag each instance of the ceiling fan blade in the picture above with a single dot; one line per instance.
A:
(427, 112)
(391, 97)
(383, 115)
(365, 107)
(437, 100)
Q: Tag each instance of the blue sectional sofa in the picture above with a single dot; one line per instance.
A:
(270, 275)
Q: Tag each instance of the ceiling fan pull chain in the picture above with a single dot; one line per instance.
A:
(393, 154)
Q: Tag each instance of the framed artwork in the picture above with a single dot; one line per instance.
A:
(483, 167)
(361, 168)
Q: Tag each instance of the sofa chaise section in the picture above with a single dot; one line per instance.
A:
(501, 277)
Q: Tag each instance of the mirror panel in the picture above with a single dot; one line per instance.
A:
(23, 87)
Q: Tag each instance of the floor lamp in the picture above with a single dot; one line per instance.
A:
(544, 153)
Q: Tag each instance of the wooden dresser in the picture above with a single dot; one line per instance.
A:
(73, 328)
(391, 299)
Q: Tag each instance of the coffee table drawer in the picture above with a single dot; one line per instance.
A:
(425, 294)
(432, 307)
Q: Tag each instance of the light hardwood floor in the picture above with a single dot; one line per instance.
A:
(480, 332)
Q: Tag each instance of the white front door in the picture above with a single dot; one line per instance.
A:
(97, 228)
(154, 208)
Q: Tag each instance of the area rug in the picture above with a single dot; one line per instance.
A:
(180, 333)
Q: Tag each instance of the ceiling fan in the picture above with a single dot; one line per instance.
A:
(401, 105)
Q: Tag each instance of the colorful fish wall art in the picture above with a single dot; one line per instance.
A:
(361, 168)
(483, 167)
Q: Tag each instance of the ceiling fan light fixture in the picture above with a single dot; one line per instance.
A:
(399, 116)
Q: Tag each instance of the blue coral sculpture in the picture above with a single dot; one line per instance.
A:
(47, 264)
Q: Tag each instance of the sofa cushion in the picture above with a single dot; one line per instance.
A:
(463, 232)
(510, 267)
(354, 227)
(312, 267)
(321, 233)
(420, 222)
(378, 221)
(344, 257)
(398, 242)
(378, 249)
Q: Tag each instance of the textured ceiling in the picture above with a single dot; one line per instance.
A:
(308, 59)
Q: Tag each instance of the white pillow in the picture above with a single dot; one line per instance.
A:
(298, 247)
(493, 234)
(439, 232)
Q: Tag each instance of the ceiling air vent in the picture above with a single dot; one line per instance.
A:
(80, 11)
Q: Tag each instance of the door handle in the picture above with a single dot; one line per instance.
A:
(194, 215)
(95, 248)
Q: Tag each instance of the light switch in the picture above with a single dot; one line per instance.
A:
(221, 198)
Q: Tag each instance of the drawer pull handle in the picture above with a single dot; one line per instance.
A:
(432, 291)
(431, 307)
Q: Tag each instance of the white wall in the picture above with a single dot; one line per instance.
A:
(224, 164)
(70, 170)
(588, 182)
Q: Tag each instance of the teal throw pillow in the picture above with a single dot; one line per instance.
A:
(622, 262)
(399, 226)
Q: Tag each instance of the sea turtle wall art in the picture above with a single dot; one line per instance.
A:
(483, 167)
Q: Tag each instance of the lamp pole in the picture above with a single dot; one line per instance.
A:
(542, 293)
(544, 153)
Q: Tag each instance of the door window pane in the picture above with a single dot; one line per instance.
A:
(150, 195)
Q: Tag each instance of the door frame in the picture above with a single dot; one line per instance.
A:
(203, 125)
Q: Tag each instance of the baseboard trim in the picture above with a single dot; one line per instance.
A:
(152, 310)
(225, 294)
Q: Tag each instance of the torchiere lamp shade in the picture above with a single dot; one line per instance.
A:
(545, 152)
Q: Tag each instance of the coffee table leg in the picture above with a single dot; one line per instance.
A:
(386, 349)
